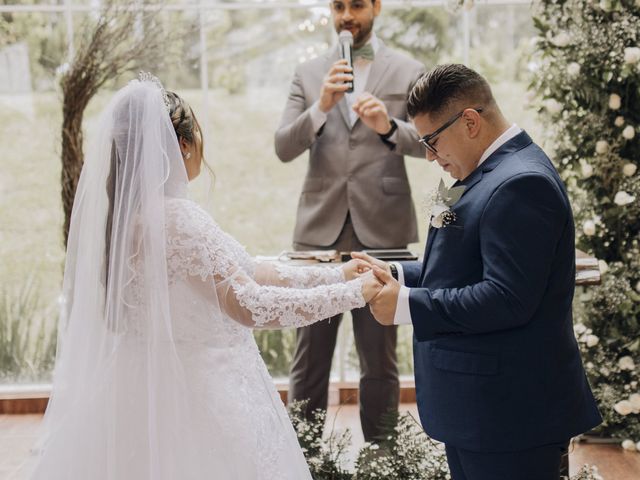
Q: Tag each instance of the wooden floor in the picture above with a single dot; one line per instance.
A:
(18, 433)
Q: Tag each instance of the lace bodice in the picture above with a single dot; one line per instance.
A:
(255, 294)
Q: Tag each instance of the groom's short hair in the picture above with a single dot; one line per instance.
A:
(446, 85)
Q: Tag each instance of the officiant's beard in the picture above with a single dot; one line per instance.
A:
(361, 32)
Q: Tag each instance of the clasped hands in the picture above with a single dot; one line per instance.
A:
(379, 288)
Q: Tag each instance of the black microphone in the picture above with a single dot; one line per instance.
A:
(345, 40)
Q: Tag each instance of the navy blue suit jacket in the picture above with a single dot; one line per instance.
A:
(496, 362)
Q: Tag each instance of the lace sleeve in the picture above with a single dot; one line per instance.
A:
(198, 250)
(276, 273)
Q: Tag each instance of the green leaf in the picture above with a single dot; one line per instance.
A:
(454, 194)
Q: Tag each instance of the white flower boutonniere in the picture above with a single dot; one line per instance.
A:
(442, 200)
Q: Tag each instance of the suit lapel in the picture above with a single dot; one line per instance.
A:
(430, 237)
(343, 108)
(517, 143)
(379, 67)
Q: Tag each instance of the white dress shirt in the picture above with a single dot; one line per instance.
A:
(403, 312)
(361, 69)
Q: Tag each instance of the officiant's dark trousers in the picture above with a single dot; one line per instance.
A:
(541, 463)
(376, 346)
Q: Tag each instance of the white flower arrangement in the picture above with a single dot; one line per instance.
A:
(562, 39)
(602, 147)
(631, 55)
(629, 132)
(615, 102)
(622, 198)
(586, 169)
(553, 106)
(619, 121)
(626, 363)
(629, 169)
(573, 69)
(623, 407)
(442, 200)
(589, 228)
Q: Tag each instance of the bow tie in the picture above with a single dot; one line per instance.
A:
(365, 52)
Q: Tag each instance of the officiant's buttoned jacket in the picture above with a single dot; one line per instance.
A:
(351, 169)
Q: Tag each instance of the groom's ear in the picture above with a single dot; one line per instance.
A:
(472, 122)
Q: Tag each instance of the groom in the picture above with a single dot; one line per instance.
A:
(499, 378)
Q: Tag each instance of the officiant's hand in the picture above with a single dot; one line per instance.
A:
(373, 113)
(355, 268)
(383, 305)
(333, 86)
(371, 286)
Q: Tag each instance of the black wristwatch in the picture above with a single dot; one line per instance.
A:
(394, 270)
(394, 127)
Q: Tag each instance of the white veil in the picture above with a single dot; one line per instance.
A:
(119, 403)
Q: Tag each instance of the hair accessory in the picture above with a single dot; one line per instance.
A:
(149, 77)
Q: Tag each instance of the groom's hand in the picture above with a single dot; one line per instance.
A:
(383, 305)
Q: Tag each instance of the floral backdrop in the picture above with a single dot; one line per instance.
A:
(587, 79)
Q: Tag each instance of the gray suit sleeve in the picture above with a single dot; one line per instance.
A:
(407, 140)
(295, 133)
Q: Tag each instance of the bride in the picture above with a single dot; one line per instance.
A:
(158, 376)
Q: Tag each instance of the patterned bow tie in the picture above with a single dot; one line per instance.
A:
(365, 52)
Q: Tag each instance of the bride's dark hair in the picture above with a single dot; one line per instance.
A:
(184, 120)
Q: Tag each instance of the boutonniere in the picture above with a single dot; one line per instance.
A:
(442, 199)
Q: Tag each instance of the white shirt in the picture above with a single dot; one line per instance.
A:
(403, 312)
(361, 70)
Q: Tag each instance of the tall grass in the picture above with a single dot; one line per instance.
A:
(27, 335)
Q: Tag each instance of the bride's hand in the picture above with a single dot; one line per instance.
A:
(371, 286)
(355, 268)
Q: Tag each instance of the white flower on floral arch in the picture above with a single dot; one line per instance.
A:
(623, 407)
(562, 39)
(573, 69)
(638, 286)
(585, 169)
(622, 198)
(592, 341)
(603, 267)
(442, 200)
(579, 328)
(553, 106)
(634, 398)
(629, 169)
(615, 101)
(629, 132)
(626, 363)
(589, 228)
(629, 445)
(619, 121)
(605, 5)
(631, 55)
(602, 147)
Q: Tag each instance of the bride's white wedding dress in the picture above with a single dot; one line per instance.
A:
(233, 396)
(158, 376)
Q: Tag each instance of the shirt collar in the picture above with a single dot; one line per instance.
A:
(507, 135)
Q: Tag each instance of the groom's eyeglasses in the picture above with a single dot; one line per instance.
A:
(426, 140)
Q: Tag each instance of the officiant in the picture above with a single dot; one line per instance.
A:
(356, 194)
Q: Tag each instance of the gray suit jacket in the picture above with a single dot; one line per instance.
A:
(352, 169)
